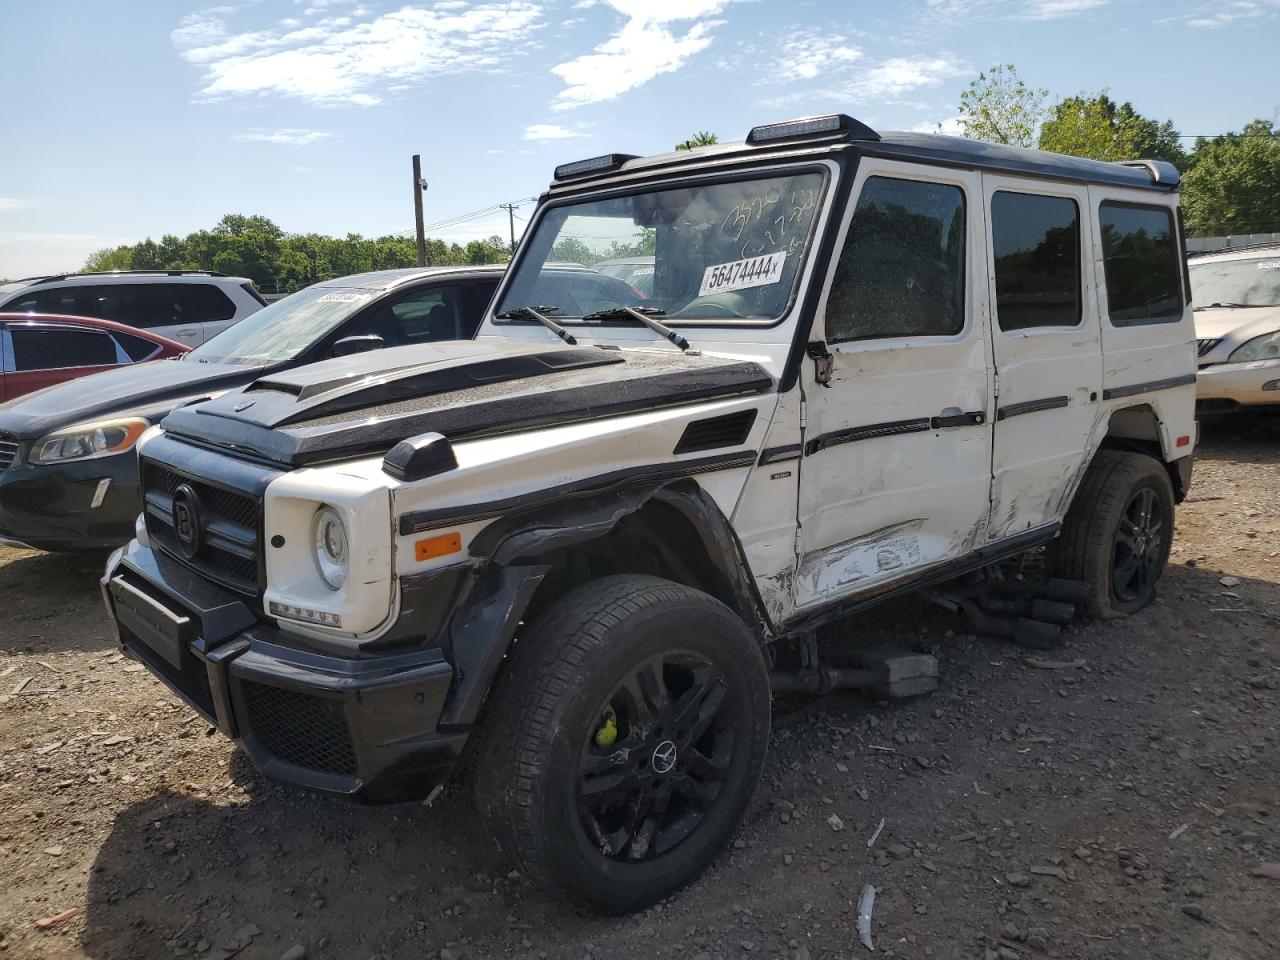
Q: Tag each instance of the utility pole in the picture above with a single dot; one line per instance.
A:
(419, 188)
(511, 220)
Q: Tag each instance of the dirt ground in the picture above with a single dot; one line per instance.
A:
(1114, 809)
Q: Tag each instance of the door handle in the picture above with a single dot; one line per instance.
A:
(949, 419)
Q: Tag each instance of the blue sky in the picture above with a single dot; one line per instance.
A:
(153, 116)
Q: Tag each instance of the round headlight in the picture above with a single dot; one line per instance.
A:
(329, 541)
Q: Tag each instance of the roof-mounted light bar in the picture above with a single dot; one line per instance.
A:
(1161, 171)
(585, 168)
(836, 125)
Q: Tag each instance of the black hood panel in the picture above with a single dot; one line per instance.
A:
(366, 404)
(140, 390)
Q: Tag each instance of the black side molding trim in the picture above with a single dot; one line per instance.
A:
(1151, 386)
(791, 451)
(420, 520)
(1032, 406)
(869, 432)
(981, 557)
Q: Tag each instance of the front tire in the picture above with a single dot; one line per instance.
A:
(625, 739)
(1117, 534)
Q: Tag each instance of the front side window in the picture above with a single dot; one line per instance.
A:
(56, 349)
(1236, 283)
(421, 316)
(1141, 263)
(901, 272)
(1036, 244)
(711, 252)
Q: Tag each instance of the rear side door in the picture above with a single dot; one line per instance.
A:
(45, 355)
(1047, 345)
(896, 472)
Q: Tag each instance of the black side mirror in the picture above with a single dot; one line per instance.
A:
(361, 344)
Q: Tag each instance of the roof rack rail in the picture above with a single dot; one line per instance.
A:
(127, 273)
(1161, 171)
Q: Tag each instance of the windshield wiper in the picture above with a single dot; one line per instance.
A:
(529, 313)
(646, 316)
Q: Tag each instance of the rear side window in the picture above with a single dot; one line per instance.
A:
(56, 349)
(205, 302)
(901, 273)
(1036, 243)
(64, 300)
(135, 347)
(1141, 263)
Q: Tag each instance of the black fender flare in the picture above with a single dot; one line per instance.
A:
(510, 555)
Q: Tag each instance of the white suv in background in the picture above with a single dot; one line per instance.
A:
(1236, 295)
(189, 306)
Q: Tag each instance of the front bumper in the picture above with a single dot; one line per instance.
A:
(1252, 384)
(366, 726)
(51, 507)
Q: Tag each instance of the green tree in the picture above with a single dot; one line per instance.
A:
(999, 107)
(1101, 129)
(703, 138)
(1231, 184)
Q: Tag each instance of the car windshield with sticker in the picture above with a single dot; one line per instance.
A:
(727, 251)
(286, 328)
(1236, 283)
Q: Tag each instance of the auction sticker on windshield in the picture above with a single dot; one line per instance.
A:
(742, 274)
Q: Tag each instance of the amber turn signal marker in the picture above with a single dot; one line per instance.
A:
(440, 546)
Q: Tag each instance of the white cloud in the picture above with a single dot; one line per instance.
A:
(1218, 15)
(290, 136)
(338, 60)
(17, 203)
(644, 47)
(892, 79)
(543, 132)
(952, 10)
(1053, 9)
(806, 54)
(950, 126)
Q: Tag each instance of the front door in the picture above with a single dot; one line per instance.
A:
(1047, 346)
(896, 474)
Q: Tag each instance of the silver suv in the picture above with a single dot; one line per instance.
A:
(189, 306)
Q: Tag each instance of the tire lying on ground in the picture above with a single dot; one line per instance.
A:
(624, 741)
(1117, 534)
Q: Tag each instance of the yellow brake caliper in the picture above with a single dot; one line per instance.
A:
(608, 731)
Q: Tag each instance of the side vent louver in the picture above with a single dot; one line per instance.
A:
(729, 430)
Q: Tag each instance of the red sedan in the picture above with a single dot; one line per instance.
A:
(38, 350)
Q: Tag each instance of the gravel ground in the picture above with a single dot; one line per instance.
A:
(1116, 808)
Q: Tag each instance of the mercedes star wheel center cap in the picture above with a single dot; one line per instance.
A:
(664, 757)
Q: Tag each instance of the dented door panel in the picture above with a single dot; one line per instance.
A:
(1048, 364)
(897, 467)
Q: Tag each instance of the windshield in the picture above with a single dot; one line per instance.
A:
(1240, 283)
(285, 329)
(720, 251)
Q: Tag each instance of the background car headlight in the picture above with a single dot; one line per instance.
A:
(1265, 347)
(88, 440)
(329, 538)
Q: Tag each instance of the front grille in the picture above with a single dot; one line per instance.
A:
(8, 450)
(1206, 346)
(229, 551)
(301, 730)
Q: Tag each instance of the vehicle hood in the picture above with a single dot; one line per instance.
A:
(145, 389)
(365, 404)
(1239, 323)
